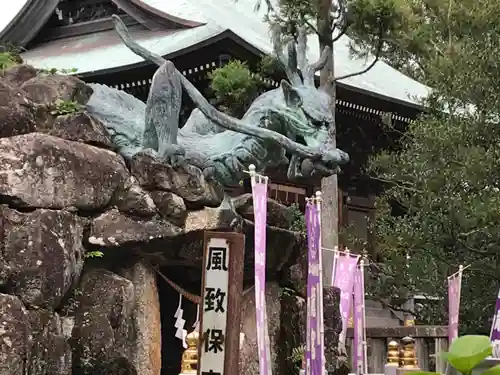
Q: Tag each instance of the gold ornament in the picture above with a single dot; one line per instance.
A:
(408, 354)
(393, 353)
(189, 364)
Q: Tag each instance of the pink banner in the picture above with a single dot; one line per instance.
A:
(454, 285)
(259, 191)
(343, 278)
(314, 343)
(360, 360)
(495, 325)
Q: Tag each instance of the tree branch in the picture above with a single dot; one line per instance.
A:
(397, 183)
(311, 26)
(323, 59)
(375, 60)
(340, 21)
(342, 32)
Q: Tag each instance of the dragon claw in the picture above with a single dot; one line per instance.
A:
(335, 156)
(150, 152)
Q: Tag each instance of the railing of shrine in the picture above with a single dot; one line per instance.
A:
(429, 340)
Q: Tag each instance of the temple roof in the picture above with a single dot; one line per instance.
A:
(104, 50)
(210, 19)
(20, 20)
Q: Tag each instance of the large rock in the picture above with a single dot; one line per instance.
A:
(249, 354)
(296, 273)
(15, 342)
(113, 228)
(81, 127)
(51, 353)
(283, 246)
(278, 215)
(293, 329)
(336, 358)
(19, 74)
(39, 170)
(146, 348)
(16, 116)
(190, 243)
(134, 200)
(103, 331)
(293, 332)
(42, 254)
(170, 206)
(186, 180)
(47, 88)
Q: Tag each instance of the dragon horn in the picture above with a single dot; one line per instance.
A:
(318, 65)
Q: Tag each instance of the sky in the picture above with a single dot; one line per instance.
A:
(10, 8)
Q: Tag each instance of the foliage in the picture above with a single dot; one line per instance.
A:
(9, 56)
(53, 71)
(298, 219)
(236, 85)
(441, 206)
(297, 357)
(65, 107)
(350, 238)
(94, 254)
(369, 22)
(7, 60)
(424, 34)
(466, 353)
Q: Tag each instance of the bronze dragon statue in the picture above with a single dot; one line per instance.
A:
(292, 119)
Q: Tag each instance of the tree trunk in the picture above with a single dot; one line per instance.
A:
(336, 360)
(329, 185)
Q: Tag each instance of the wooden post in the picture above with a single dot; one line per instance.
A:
(440, 346)
(220, 313)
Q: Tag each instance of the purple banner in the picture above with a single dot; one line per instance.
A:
(360, 360)
(343, 278)
(314, 345)
(454, 285)
(495, 325)
(259, 191)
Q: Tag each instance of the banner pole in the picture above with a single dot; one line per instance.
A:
(320, 271)
(365, 346)
(309, 343)
(259, 194)
(336, 255)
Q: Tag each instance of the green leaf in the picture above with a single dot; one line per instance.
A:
(495, 370)
(427, 373)
(467, 352)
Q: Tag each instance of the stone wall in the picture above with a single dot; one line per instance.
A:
(67, 196)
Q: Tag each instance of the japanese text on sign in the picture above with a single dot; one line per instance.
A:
(214, 312)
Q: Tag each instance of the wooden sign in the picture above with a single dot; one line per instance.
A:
(222, 287)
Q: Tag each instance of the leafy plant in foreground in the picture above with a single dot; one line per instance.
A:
(65, 107)
(466, 353)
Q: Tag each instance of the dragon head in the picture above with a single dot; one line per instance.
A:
(305, 114)
(300, 110)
